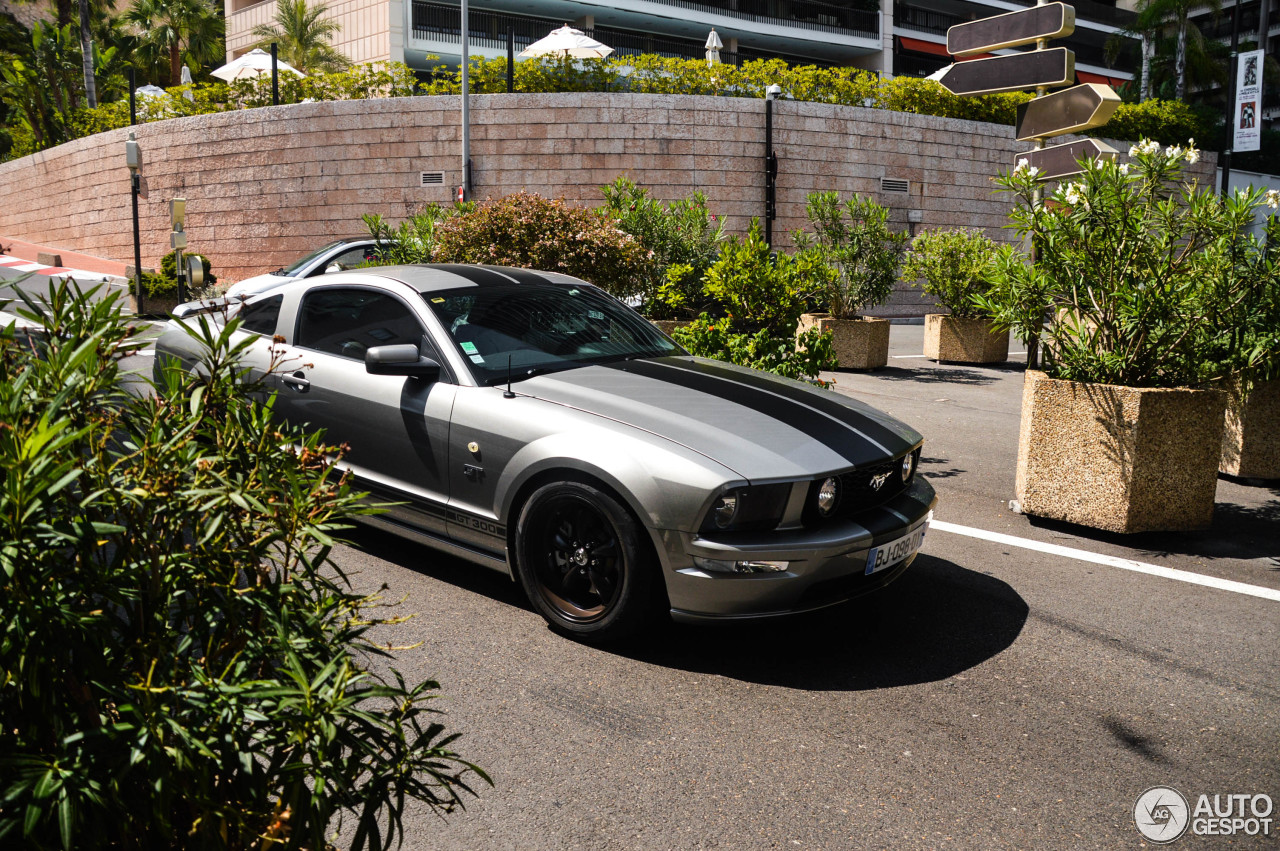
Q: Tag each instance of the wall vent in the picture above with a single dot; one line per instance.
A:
(433, 178)
(895, 184)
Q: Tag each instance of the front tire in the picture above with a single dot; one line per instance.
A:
(582, 561)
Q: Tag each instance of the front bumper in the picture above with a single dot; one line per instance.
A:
(825, 566)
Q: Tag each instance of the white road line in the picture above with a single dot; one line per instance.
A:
(1110, 561)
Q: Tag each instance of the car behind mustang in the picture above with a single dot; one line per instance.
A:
(531, 423)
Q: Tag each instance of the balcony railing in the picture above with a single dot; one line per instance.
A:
(924, 20)
(440, 22)
(802, 14)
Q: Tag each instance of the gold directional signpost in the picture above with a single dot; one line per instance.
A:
(1071, 110)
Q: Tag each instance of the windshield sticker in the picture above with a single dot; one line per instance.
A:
(469, 348)
(477, 359)
(437, 301)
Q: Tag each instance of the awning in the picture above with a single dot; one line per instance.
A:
(1087, 77)
(933, 48)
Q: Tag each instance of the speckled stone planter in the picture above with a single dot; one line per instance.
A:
(666, 326)
(1123, 459)
(1251, 437)
(861, 343)
(960, 340)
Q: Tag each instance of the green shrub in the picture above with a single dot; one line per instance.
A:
(855, 240)
(1152, 282)
(757, 301)
(414, 239)
(680, 241)
(165, 282)
(1168, 122)
(533, 232)
(181, 662)
(800, 357)
(953, 266)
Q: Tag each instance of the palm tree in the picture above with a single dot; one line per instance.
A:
(176, 27)
(1154, 17)
(302, 37)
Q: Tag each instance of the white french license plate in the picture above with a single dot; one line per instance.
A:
(887, 555)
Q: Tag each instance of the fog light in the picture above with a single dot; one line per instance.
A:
(828, 496)
(715, 565)
(908, 465)
(725, 509)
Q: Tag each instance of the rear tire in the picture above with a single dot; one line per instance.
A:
(583, 562)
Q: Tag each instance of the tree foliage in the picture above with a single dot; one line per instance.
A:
(855, 240)
(181, 662)
(302, 35)
(1149, 281)
(953, 266)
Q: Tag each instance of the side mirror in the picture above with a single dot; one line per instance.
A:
(403, 359)
(332, 267)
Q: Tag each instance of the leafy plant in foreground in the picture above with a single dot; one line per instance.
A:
(181, 662)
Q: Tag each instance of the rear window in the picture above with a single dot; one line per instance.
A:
(260, 317)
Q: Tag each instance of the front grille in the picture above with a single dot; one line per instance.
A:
(857, 491)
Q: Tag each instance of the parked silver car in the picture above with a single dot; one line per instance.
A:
(337, 256)
(531, 423)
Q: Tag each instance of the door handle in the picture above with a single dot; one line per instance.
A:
(298, 381)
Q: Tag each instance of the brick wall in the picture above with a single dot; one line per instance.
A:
(264, 186)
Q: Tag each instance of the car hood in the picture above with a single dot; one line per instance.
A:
(762, 426)
(257, 284)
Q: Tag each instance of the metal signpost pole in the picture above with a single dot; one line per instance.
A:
(1232, 71)
(466, 107)
(511, 59)
(275, 77)
(770, 165)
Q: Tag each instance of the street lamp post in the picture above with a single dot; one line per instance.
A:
(133, 159)
(466, 107)
(770, 164)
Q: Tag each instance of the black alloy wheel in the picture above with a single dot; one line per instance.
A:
(579, 555)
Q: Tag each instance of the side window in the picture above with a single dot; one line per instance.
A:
(350, 259)
(348, 322)
(260, 317)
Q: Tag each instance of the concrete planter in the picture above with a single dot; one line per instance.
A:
(1251, 437)
(666, 326)
(960, 340)
(1123, 459)
(861, 343)
(155, 305)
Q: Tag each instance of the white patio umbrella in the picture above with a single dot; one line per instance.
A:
(253, 63)
(565, 42)
(713, 46)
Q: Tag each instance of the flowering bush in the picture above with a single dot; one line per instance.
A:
(952, 266)
(680, 239)
(800, 357)
(1150, 281)
(528, 230)
(854, 239)
(414, 240)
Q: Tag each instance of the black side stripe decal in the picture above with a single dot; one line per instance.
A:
(839, 438)
(889, 439)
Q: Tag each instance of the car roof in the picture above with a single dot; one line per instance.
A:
(433, 277)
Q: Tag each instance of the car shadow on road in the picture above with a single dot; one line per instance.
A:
(937, 620)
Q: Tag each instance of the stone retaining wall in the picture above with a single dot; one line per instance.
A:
(265, 185)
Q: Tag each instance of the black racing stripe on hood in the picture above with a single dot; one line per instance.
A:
(893, 442)
(839, 438)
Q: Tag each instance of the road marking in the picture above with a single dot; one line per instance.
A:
(1110, 561)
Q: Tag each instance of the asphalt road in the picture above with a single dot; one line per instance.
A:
(994, 697)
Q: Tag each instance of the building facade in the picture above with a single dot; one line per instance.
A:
(891, 37)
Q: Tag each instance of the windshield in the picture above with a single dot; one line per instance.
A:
(296, 268)
(542, 328)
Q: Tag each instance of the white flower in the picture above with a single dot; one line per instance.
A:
(1124, 168)
(1175, 152)
(1273, 198)
(1193, 156)
(1033, 171)
(1023, 162)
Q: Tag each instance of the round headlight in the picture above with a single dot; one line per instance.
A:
(908, 465)
(725, 509)
(828, 496)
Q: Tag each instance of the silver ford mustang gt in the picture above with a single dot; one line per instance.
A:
(529, 422)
